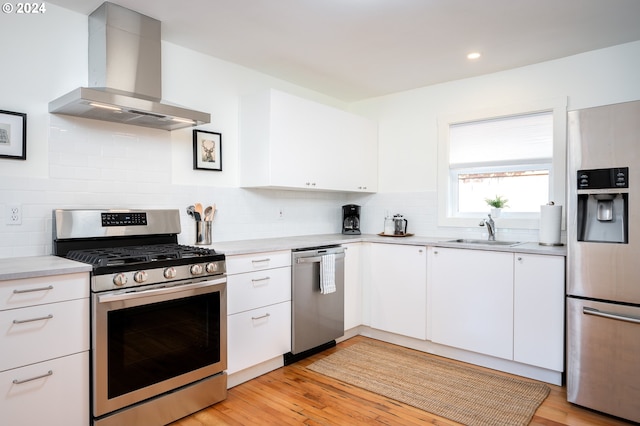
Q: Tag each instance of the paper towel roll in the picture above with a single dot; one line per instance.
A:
(550, 225)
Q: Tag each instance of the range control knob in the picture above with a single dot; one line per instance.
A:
(211, 267)
(120, 279)
(140, 276)
(170, 272)
(196, 269)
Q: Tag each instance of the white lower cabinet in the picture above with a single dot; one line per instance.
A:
(538, 320)
(257, 289)
(258, 308)
(352, 285)
(54, 392)
(472, 300)
(44, 350)
(398, 289)
(258, 335)
(507, 305)
(36, 333)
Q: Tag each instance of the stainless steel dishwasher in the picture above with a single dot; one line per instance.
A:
(317, 316)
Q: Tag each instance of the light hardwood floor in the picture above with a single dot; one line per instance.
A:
(294, 395)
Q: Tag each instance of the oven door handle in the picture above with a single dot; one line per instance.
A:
(107, 298)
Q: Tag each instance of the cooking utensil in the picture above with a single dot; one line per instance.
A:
(198, 208)
(208, 214)
(191, 211)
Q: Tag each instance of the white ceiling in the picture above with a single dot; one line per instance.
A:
(357, 49)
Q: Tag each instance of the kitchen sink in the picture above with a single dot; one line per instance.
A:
(485, 242)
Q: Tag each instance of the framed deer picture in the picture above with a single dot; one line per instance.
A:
(207, 150)
(13, 135)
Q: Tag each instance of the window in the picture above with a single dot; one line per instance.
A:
(506, 156)
(517, 154)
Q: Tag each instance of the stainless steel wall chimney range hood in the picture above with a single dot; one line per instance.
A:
(125, 84)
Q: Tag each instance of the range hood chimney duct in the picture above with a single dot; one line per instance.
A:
(125, 75)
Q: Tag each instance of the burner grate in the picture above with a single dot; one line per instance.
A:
(117, 256)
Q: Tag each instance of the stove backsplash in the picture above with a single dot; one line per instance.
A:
(242, 214)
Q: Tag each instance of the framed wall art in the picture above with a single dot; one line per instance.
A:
(13, 135)
(207, 150)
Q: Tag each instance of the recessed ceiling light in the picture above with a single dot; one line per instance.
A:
(473, 55)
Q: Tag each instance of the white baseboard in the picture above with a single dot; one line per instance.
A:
(507, 366)
(504, 365)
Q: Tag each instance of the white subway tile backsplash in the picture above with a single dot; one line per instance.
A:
(97, 165)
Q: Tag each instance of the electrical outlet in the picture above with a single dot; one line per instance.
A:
(13, 214)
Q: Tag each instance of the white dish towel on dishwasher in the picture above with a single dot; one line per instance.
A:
(328, 273)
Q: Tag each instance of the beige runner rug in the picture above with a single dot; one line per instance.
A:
(450, 390)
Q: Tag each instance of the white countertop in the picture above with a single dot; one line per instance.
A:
(38, 266)
(290, 243)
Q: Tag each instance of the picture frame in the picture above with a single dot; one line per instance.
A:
(207, 150)
(13, 135)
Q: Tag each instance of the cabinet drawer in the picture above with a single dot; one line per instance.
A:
(41, 290)
(255, 289)
(258, 335)
(257, 261)
(42, 332)
(57, 398)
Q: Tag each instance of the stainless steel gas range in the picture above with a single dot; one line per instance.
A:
(158, 314)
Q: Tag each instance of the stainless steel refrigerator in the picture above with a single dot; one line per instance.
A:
(603, 259)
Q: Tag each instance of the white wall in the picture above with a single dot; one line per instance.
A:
(408, 123)
(408, 120)
(40, 61)
(79, 163)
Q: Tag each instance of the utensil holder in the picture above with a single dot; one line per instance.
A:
(203, 232)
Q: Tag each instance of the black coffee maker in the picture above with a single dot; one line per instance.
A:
(351, 219)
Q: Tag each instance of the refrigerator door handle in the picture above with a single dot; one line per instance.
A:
(599, 313)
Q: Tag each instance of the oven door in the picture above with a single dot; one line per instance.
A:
(156, 340)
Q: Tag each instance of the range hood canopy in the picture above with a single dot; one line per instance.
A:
(125, 75)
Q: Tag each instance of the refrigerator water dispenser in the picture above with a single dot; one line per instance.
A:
(602, 218)
(603, 205)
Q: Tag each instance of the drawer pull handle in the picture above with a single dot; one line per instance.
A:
(31, 290)
(267, 315)
(33, 319)
(42, 376)
(258, 280)
(261, 260)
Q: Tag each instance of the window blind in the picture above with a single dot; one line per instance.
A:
(519, 139)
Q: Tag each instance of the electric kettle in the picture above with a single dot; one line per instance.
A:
(399, 225)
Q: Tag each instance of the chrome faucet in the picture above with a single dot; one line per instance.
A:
(491, 227)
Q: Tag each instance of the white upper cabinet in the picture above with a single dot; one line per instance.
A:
(290, 142)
